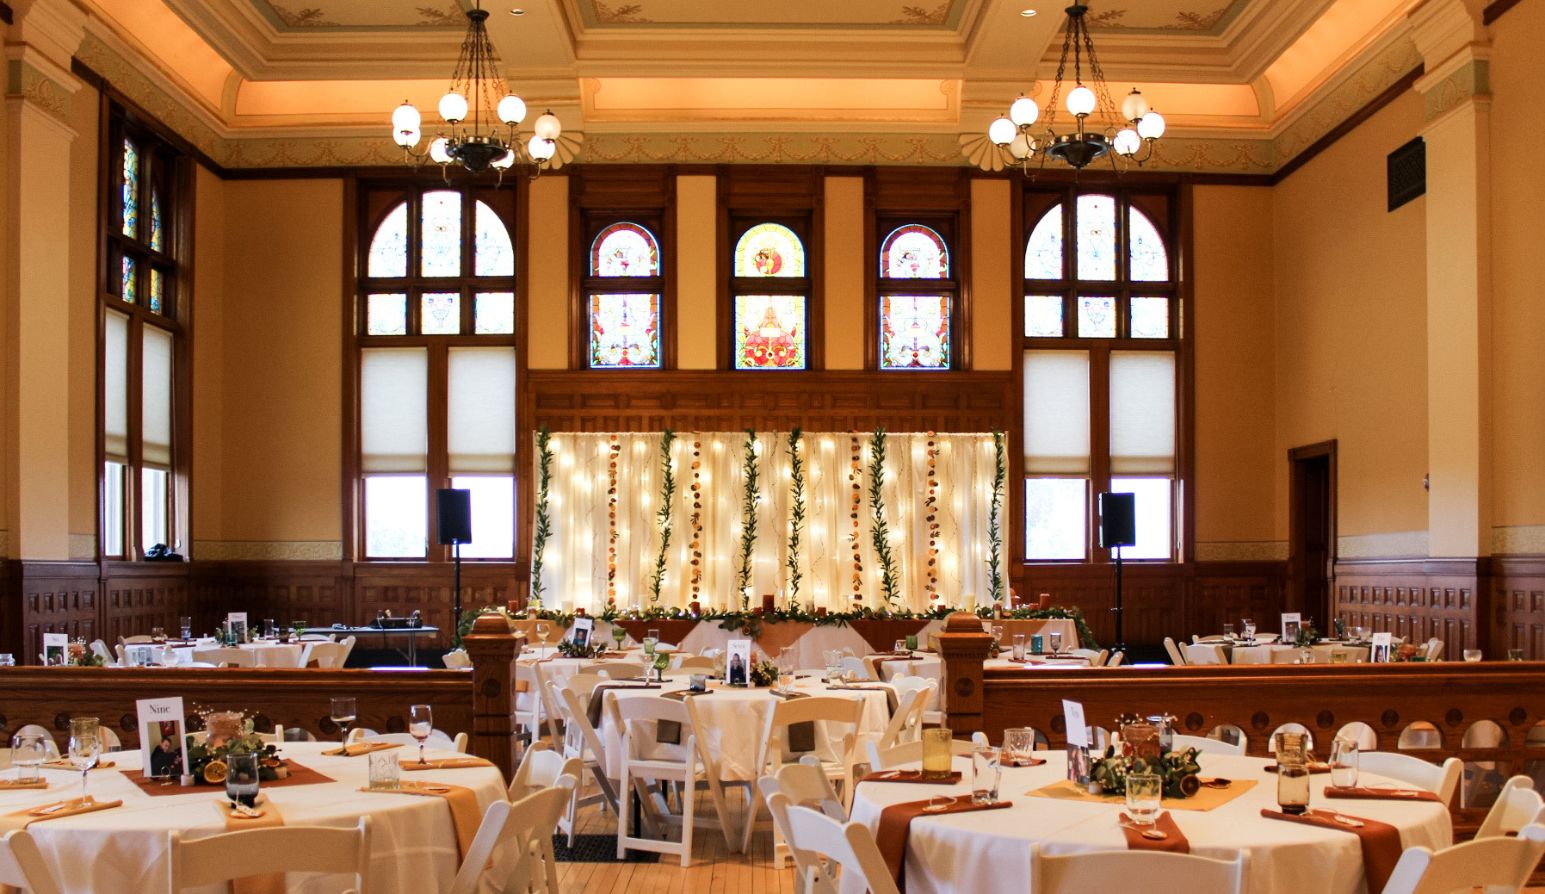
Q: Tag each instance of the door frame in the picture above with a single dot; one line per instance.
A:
(1296, 595)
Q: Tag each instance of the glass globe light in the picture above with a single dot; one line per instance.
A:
(548, 127)
(407, 139)
(1024, 111)
(505, 161)
(1002, 131)
(1151, 127)
(453, 107)
(1127, 141)
(439, 151)
(405, 118)
(540, 149)
(512, 109)
(1023, 147)
(1081, 101)
(1135, 106)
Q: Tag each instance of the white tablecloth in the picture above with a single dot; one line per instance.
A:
(808, 649)
(988, 852)
(413, 843)
(266, 654)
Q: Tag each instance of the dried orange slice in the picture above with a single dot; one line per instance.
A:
(216, 771)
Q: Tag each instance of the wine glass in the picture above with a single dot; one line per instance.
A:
(649, 643)
(420, 724)
(1249, 627)
(1056, 643)
(187, 628)
(343, 714)
(618, 635)
(662, 661)
(85, 748)
(541, 632)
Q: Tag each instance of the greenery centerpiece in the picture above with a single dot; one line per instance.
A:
(764, 673)
(571, 649)
(663, 516)
(228, 734)
(1177, 769)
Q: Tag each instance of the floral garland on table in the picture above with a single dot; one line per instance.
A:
(614, 452)
(855, 476)
(879, 531)
(667, 497)
(931, 516)
(994, 523)
(749, 475)
(1177, 769)
(696, 520)
(544, 524)
(796, 513)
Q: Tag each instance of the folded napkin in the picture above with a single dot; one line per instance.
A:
(800, 738)
(1380, 841)
(613, 655)
(1174, 840)
(896, 828)
(21, 819)
(359, 748)
(446, 763)
(914, 776)
(1024, 762)
(1315, 768)
(13, 784)
(593, 709)
(462, 801)
(1381, 794)
(64, 764)
(267, 816)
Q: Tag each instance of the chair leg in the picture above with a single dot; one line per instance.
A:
(623, 818)
(551, 859)
(688, 820)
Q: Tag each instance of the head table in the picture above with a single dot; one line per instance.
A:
(988, 852)
(413, 841)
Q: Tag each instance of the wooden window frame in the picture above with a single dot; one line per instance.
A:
(601, 196)
(880, 287)
(940, 199)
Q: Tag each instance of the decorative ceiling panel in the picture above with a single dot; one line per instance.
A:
(362, 15)
(1184, 16)
(785, 14)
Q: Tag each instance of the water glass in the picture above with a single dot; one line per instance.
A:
(342, 712)
(1343, 762)
(938, 756)
(187, 628)
(900, 646)
(1056, 643)
(28, 752)
(1018, 743)
(649, 643)
(85, 747)
(1019, 647)
(986, 770)
(1228, 631)
(1144, 791)
(653, 634)
(241, 778)
(1249, 627)
(1473, 655)
(385, 771)
(421, 723)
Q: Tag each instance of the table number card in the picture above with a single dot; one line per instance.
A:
(737, 663)
(583, 627)
(1078, 741)
(163, 737)
(1380, 647)
(55, 646)
(1291, 621)
(236, 623)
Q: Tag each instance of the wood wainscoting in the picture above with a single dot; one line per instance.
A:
(1421, 598)
(1518, 603)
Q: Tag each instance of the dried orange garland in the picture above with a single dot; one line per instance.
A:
(696, 544)
(856, 477)
(611, 520)
(931, 509)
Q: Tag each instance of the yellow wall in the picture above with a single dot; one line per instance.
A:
(992, 270)
(1351, 348)
(845, 294)
(84, 305)
(547, 267)
(209, 250)
(697, 272)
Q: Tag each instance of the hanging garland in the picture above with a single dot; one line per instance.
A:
(748, 519)
(994, 525)
(667, 497)
(931, 516)
(611, 520)
(544, 523)
(879, 531)
(855, 475)
(696, 519)
(796, 513)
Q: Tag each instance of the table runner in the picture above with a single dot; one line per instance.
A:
(1174, 842)
(1205, 799)
(896, 827)
(1381, 794)
(21, 819)
(299, 774)
(461, 801)
(1380, 841)
(268, 883)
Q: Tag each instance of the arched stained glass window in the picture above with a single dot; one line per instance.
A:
(1096, 229)
(389, 247)
(1043, 257)
(1149, 260)
(914, 252)
(769, 249)
(130, 194)
(492, 253)
(625, 249)
(440, 236)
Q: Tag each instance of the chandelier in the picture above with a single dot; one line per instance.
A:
(1080, 146)
(475, 106)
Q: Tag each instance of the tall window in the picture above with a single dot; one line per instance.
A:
(770, 291)
(143, 475)
(435, 314)
(917, 294)
(1101, 338)
(623, 290)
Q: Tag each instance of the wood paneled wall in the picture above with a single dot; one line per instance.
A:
(1518, 605)
(1420, 598)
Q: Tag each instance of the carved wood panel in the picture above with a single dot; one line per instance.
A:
(1416, 599)
(139, 597)
(1519, 587)
(56, 597)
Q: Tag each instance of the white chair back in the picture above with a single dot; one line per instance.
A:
(226, 657)
(233, 855)
(99, 649)
(456, 659)
(1204, 653)
(1159, 873)
(1495, 864)
(1095, 657)
(1207, 744)
(1441, 779)
(618, 670)
(1517, 805)
(1434, 649)
(507, 847)
(22, 865)
(858, 667)
(1175, 657)
(906, 724)
(33, 729)
(1116, 658)
(848, 847)
(328, 655)
(540, 768)
(930, 704)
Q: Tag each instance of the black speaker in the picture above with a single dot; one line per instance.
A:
(1118, 520)
(455, 515)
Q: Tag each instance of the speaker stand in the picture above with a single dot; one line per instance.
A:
(456, 589)
(1121, 641)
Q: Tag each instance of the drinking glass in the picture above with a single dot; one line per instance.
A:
(270, 628)
(986, 770)
(343, 714)
(1292, 772)
(7, 659)
(649, 643)
(1056, 643)
(1515, 654)
(85, 748)
(1144, 791)
(1474, 654)
(900, 646)
(1343, 762)
(618, 635)
(661, 662)
(385, 771)
(1018, 743)
(541, 631)
(937, 754)
(911, 642)
(28, 752)
(241, 778)
(1019, 647)
(653, 634)
(1228, 631)
(421, 723)
(833, 664)
(187, 628)
(1249, 627)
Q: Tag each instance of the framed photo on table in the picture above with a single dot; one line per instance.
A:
(737, 662)
(55, 647)
(1379, 649)
(583, 627)
(1291, 622)
(163, 737)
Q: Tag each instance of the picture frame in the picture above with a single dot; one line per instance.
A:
(163, 736)
(737, 662)
(56, 648)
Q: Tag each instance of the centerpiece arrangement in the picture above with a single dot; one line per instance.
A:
(1142, 748)
(764, 673)
(571, 649)
(228, 734)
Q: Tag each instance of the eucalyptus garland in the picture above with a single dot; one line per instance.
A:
(994, 522)
(749, 476)
(667, 497)
(796, 513)
(879, 531)
(544, 522)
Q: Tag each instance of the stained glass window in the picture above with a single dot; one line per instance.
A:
(157, 291)
(914, 252)
(440, 236)
(386, 314)
(493, 313)
(130, 196)
(624, 331)
(389, 247)
(440, 313)
(915, 332)
(770, 331)
(157, 237)
(1096, 317)
(624, 249)
(1043, 316)
(1096, 237)
(1149, 260)
(1150, 317)
(128, 289)
(1043, 257)
(492, 253)
(770, 249)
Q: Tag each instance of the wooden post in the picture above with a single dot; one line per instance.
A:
(963, 646)
(493, 649)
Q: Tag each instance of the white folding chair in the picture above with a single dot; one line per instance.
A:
(1155, 872)
(909, 753)
(531, 702)
(841, 717)
(1175, 657)
(858, 667)
(1496, 864)
(847, 848)
(507, 850)
(33, 729)
(540, 768)
(646, 762)
(1517, 805)
(22, 865)
(1095, 657)
(234, 855)
(1440, 779)
(1207, 744)
(327, 655)
(1116, 658)
(1434, 649)
(618, 670)
(906, 725)
(109, 739)
(226, 657)
(931, 712)
(348, 649)
(1204, 653)
(802, 783)
(456, 659)
(580, 740)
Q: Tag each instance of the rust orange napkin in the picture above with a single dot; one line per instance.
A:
(896, 828)
(14, 784)
(1174, 842)
(914, 776)
(446, 763)
(1381, 794)
(270, 883)
(462, 801)
(21, 819)
(1380, 841)
(359, 748)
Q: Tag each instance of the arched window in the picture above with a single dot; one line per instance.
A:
(623, 288)
(770, 289)
(1101, 376)
(436, 366)
(917, 299)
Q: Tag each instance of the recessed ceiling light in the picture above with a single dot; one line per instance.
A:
(517, 11)
(1027, 13)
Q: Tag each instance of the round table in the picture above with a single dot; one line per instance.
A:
(988, 852)
(412, 843)
(266, 654)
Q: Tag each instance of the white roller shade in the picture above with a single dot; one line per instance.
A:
(394, 398)
(156, 398)
(481, 410)
(1057, 412)
(115, 390)
(1142, 413)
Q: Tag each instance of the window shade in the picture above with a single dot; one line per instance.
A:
(1057, 412)
(1142, 412)
(156, 398)
(115, 387)
(394, 395)
(481, 410)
